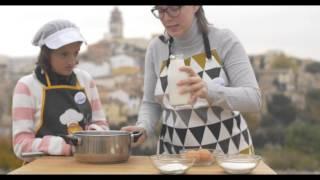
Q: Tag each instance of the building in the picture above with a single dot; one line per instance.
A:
(95, 70)
(124, 64)
(18, 67)
(116, 24)
(3, 67)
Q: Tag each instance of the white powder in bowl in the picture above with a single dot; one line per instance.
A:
(238, 167)
(173, 168)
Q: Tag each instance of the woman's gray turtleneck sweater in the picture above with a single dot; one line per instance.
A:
(241, 93)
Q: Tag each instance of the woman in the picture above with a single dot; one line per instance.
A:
(221, 82)
(56, 99)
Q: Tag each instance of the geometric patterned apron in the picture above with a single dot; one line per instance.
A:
(200, 126)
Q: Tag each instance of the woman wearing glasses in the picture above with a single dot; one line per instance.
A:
(220, 80)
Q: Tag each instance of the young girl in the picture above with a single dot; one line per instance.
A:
(56, 99)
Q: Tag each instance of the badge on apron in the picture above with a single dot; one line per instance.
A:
(80, 98)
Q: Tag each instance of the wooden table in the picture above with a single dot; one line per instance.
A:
(135, 165)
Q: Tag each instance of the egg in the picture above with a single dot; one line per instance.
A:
(205, 155)
(193, 154)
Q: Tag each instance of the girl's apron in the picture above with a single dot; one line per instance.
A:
(65, 109)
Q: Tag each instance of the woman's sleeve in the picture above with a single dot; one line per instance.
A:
(23, 127)
(150, 111)
(99, 121)
(242, 93)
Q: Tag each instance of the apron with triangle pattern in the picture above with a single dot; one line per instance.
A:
(201, 126)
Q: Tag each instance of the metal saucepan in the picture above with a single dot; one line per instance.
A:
(101, 146)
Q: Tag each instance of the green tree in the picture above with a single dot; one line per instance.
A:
(281, 109)
(253, 120)
(313, 104)
(304, 136)
(286, 158)
(313, 67)
(281, 61)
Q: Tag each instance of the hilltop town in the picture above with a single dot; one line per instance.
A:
(117, 65)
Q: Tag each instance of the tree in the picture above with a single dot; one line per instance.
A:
(313, 104)
(253, 120)
(269, 135)
(313, 68)
(304, 137)
(282, 109)
(281, 61)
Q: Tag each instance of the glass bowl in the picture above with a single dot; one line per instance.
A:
(172, 163)
(203, 157)
(238, 163)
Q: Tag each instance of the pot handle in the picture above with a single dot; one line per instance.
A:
(71, 139)
(135, 135)
(32, 154)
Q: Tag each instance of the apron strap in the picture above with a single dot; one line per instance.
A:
(209, 54)
(205, 42)
(170, 52)
(47, 79)
(206, 45)
(78, 84)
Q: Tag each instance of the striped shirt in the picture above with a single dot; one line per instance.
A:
(26, 112)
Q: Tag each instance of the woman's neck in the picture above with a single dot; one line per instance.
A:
(192, 37)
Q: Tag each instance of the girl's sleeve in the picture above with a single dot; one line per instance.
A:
(23, 127)
(99, 121)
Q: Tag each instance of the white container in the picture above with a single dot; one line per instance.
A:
(174, 76)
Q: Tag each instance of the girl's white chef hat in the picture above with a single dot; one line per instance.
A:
(57, 33)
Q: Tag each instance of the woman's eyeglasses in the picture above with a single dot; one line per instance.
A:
(172, 11)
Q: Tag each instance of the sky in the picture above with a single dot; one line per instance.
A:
(295, 30)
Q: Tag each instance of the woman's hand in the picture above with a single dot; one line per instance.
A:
(194, 84)
(141, 138)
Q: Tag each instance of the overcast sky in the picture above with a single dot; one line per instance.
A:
(292, 29)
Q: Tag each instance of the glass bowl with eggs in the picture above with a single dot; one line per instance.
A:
(202, 156)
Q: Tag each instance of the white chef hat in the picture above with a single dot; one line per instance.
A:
(57, 33)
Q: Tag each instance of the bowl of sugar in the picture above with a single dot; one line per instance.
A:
(172, 163)
(238, 163)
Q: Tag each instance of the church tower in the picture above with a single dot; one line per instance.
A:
(116, 24)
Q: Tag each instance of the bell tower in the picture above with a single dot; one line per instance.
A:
(116, 24)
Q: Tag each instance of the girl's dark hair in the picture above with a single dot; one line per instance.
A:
(44, 58)
(202, 20)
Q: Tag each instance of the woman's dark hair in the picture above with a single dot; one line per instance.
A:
(44, 58)
(202, 20)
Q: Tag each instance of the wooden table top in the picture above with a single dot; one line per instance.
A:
(135, 165)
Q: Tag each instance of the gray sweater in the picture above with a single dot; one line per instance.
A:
(241, 93)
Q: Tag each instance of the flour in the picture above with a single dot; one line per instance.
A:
(238, 167)
(173, 168)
